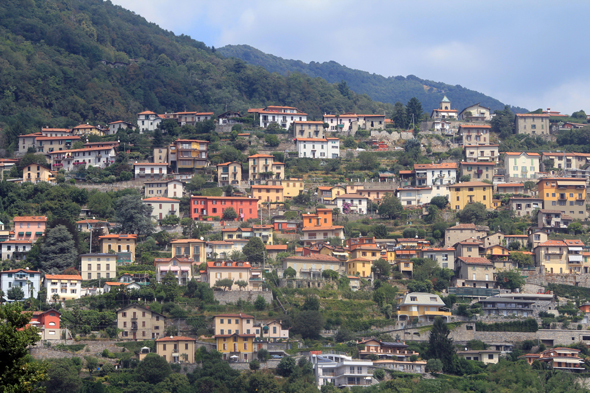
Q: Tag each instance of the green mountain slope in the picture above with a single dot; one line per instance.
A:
(63, 62)
(377, 87)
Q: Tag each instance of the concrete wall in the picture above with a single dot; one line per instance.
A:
(542, 279)
(225, 297)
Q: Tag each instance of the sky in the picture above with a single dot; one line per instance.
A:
(525, 53)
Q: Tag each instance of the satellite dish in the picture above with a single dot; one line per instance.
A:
(202, 238)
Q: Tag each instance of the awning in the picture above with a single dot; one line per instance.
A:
(38, 233)
(28, 233)
(21, 233)
(173, 268)
(164, 269)
(582, 182)
(54, 281)
(185, 269)
(575, 248)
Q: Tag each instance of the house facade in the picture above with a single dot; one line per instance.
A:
(234, 336)
(470, 192)
(205, 206)
(29, 281)
(61, 287)
(431, 174)
(478, 153)
(284, 116)
(181, 268)
(135, 322)
(163, 207)
(318, 147)
(567, 195)
(148, 121)
(478, 170)
(308, 129)
(123, 245)
(534, 124)
(229, 174)
(176, 349)
(521, 165)
(150, 170)
(98, 266)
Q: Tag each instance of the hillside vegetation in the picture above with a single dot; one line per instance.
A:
(379, 88)
(65, 62)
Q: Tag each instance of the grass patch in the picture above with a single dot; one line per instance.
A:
(70, 348)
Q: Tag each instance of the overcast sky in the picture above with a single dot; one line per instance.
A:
(524, 53)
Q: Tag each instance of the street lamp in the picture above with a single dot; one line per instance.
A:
(90, 226)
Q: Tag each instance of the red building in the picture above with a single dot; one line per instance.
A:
(214, 206)
(48, 323)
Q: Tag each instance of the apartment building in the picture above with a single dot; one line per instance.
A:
(327, 194)
(160, 155)
(461, 232)
(123, 245)
(176, 349)
(474, 134)
(16, 249)
(284, 116)
(553, 220)
(318, 147)
(68, 160)
(320, 226)
(352, 203)
(150, 170)
(525, 206)
(476, 272)
(164, 188)
(479, 153)
(189, 248)
(375, 194)
(470, 192)
(521, 165)
(422, 306)
(567, 195)
(475, 112)
(204, 206)
(478, 170)
(534, 124)
(86, 129)
(234, 336)
(29, 281)
(552, 255)
(311, 267)
(431, 174)
(34, 173)
(98, 266)
(61, 287)
(341, 370)
(135, 322)
(48, 324)
(262, 167)
(29, 227)
(268, 194)
(188, 154)
(181, 268)
(444, 257)
(236, 271)
(116, 126)
(229, 174)
(148, 121)
(308, 129)
(163, 207)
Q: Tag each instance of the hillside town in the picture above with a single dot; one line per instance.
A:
(272, 238)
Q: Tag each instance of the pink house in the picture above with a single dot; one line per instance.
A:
(29, 227)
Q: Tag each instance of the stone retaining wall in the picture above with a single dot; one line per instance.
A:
(225, 297)
(542, 279)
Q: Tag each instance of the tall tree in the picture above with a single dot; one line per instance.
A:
(254, 250)
(64, 376)
(58, 252)
(153, 369)
(503, 123)
(133, 215)
(440, 345)
(18, 373)
(414, 111)
(390, 207)
(399, 117)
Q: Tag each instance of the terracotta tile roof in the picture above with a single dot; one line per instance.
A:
(261, 156)
(475, 126)
(510, 185)
(443, 165)
(176, 338)
(552, 243)
(472, 184)
(475, 261)
(119, 236)
(62, 277)
(508, 153)
(86, 126)
(404, 172)
(573, 242)
(478, 163)
(276, 247)
(30, 218)
(221, 198)
(478, 146)
(147, 113)
(532, 115)
(355, 196)
(160, 199)
(82, 150)
(92, 221)
(187, 241)
(438, 249)
(19, 270)
(316, 257)
(56, 138)
(240, 315)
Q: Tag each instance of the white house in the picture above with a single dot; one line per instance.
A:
(150, 170)
(521, 165)
(341, 370)
(115, 126)
(352, 203)
(163, 207)
(66, 287)
(16, 249)
(476, 112)
(148, 121)
(68, 160)
(284, 116)
(418, 196)
(166, 188)
(29, 281)
(318, 147)
(431, 174)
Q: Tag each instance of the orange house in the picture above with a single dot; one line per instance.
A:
(319, 226)
(48, 323)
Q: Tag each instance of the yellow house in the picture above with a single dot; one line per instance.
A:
(36, 173)
(359, 267)
(234, 336)
(86, 129)
(176, 349)
(470, 192)
(565, 194)
(329, 194)
(263, 167)
(189, 248)
(123, 245)
(268, 194)
(229, 173)
(553, 256)
(423, 306)
(292, 187)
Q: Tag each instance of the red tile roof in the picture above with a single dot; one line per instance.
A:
(475, 260)
(553, 243)
(62, 277)
(161, 199)
(176, 338)
(30, 218)
(316, 257)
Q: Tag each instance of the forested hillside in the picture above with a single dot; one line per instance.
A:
(69, 61)
(379, 88)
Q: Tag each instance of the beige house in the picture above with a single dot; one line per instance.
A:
(533, 124)
(478, 153)
(268, 194)
(135, 322)
(475, 112)
(189, 248)
(478, 170)
(461, 232)
(475, 134)
(263, 167)
(487, 356)
(229, 174)
(273, 331)
(234, 336)
(34, 173)
(537, 237)
(98, 266)
(292, 187)
(160, 155)
(495, 239)
(163, 207)
(123, 245)
(476, 272)
(176, 349)
(308, 129)
(312, 266)
(164, 188)
(236, 271)
(524, 206)
(552, 255)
